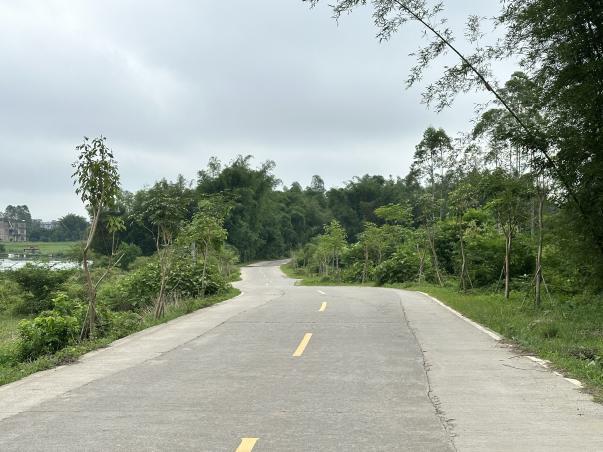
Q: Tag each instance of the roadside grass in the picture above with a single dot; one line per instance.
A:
(46, 248)
(312, 280)
(568, 332)
(12, 370)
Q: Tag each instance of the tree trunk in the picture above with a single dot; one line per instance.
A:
(88, 327)
(163, 271)
(160, 303)
(538, 279)
(205, 256)
(421, 262)
(436, 265)
(365, 267)
(463, 259)
(508, 239)
(442, 210)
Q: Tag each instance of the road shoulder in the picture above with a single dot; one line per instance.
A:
(492, 398)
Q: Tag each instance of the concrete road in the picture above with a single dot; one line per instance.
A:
(285, 368)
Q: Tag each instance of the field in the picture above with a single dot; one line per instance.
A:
(46, 248)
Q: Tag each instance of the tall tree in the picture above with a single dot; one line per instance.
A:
(431, 161)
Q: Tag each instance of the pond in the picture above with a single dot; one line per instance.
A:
(12, 263)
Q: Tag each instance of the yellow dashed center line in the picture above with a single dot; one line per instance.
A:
(302, 345)
(323, 306)
(246, 444)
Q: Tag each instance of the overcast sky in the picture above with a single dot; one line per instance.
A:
(171, 83)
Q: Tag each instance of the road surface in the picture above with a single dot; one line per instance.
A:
(287, 368)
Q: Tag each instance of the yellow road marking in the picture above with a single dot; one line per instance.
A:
(302, 345)
(323, 306)
(246, 444)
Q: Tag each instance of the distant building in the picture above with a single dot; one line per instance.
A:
(49, 225)
(12, 230)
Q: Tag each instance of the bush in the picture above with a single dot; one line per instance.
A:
(46, 334)
(11, 295)
(38, 285)
(123, 323)
(129, 253)
(402, 266)
(133, 291)
(485, 251)
(139, 288)
(187, 280)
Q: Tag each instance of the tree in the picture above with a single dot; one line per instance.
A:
(207, 230)
(397, 214)
(560, 48)
(18, 213)
(427, 207)
(462, 199)
(509, 197)
(71, 227)
(97, 183)
(335, 241)
(162, 213)
(431, 160)
(371, 240)
(562, 52)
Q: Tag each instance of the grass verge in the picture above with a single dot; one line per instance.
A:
(10, 370)
(566, 332)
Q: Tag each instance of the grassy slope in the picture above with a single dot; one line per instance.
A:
(569, 334)
(11, 371)
(44, 247)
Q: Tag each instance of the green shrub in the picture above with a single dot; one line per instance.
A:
(123, 323)
(138, 288)
(11, 295)
(402, 266)
(46, 334)
(187, 279)
(38, 285)
(128, 252)
(485, 251)
(132, 291)
(68, 306)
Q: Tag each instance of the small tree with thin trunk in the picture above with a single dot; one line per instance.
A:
(97, 183)
(162, 214)
(509, 206)
(335, 240)
(428, 208)
(371, 240)
(207, 230)
(461, 200)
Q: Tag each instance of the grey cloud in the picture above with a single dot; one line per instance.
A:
(172, 83)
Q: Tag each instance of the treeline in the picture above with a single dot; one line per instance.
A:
(262, 221)
(485, 211)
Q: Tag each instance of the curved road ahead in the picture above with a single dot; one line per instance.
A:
(287, 368)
